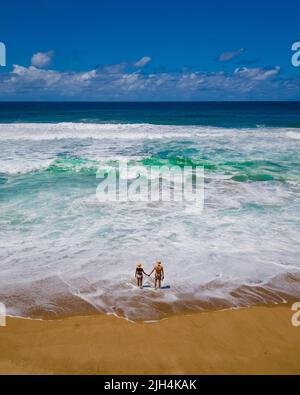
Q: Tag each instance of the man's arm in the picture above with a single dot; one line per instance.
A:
(152, 271)
(162, 273)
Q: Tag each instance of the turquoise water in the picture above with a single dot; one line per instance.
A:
(59, 243)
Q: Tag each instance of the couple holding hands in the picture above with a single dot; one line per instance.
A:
(158, 270)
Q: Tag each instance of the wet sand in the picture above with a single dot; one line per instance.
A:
(259, 340)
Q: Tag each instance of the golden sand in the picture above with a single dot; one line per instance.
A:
(260, 340)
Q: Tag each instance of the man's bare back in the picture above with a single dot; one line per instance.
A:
(159, 274)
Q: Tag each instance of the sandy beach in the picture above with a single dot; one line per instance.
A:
(258, 340)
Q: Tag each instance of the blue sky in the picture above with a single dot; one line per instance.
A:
(149, 50)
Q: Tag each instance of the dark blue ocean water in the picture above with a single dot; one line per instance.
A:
(223, 114)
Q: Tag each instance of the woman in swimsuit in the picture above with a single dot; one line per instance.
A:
(159, 274)
(139, 275)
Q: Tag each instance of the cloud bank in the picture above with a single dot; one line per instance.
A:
(129, 81)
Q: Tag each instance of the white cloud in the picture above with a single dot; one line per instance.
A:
(42, 59)
(142, 62)
(257, 74)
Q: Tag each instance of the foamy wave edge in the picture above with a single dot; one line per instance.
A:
(71, 130)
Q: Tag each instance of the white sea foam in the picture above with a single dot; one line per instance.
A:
(60, 131)
(69, 130)
(293, 134)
